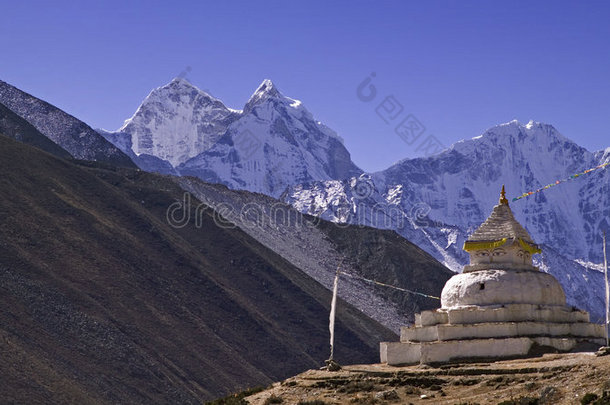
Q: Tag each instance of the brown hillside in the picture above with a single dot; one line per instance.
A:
(103, 302)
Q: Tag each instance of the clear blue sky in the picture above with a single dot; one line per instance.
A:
(458, 66)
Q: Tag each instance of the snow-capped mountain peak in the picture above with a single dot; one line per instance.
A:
(272, 143)
(514, 134)
(276, 142)
(266, 88)
(176, 88)
(267, 91)
(177, 122)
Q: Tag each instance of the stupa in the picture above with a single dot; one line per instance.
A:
(500, 306)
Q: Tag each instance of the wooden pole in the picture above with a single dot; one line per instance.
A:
(333, 308)
(607, 290)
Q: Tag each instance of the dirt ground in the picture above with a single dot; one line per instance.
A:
(550, 379)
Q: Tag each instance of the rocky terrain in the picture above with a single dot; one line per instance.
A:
(319, 247)
(103, 301)
(13, 126)
(73, 135)
(577, 378)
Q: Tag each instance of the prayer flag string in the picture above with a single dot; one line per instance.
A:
(572, 177)
(389, 286)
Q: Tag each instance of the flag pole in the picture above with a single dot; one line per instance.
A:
(333, 310)
(607, 290)
(331, 364)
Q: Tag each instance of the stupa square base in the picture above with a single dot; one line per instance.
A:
(405, 353)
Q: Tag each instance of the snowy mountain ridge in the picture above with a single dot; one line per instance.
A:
(272, 143)
(437, 201)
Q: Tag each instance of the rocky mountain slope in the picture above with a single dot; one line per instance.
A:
(103, 301)
(13, 126)
(272, 143)
(319, 247)
(437, 201)
(73, 135)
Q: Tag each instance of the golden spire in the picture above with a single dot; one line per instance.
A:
(503, 199)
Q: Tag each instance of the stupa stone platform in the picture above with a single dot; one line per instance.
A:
(501, 306)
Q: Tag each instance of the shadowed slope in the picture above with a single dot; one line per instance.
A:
(15, 127)
(318, 247)
(76, 137)
(103, 302)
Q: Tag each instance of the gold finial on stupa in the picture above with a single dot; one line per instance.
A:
(503, 199)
